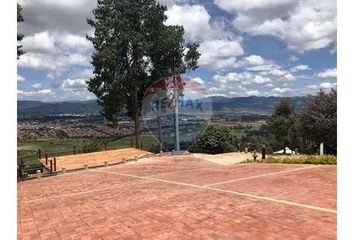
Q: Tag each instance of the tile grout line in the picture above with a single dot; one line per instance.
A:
(188, 185)
(261, 175)
(229, 191)
(181, 170)
(89, 191)
(75, 193)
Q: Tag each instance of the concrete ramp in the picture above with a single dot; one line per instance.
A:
(225, 159)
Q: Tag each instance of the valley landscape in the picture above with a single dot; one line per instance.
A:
(56, 127)
(176, 119)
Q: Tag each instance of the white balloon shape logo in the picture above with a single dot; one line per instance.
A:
(176, 111)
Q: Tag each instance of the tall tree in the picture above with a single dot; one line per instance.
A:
(319, 119)
(283, 123)
(134, 48)
(19, 35)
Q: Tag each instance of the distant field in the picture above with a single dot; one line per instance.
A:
(27, 150)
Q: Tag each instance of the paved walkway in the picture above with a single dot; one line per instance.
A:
(181, 197)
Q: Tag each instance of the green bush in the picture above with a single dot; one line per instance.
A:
(312, 159)
(215, 140)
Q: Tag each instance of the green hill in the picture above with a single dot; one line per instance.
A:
(263, 105)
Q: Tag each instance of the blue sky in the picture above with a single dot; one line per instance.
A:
(260, 47)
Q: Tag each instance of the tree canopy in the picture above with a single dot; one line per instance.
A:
(134, 48)
(319, 119)
(19, 35)
(283, 124)
(216, 139)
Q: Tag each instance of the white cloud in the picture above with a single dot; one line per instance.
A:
(327, 85)
(35, 61)
(289, 77)
(77, 94)
(198, 80)
(252, 93)
(233, 77)
(299, 68)
(20, 78)
(217, 50)
(274, 7)
(312, 87)
(260, 79)
(277, 73)
(302, 24)
(266, 67)
(329, 73)
(261, 74)
(39, 43)
(74, 84)
(55, 52)
(37, 85)
(74, 42)
(282, 90)
(57, 16)
(252, 60)
(227, 90)
(39, 93)
(85, 73)
(269, 71)
(219, 54)
(213, 89)
(55, 41)
(68, 4)
(166, 2)
(245, 78)
(45, 92)
(55, 64)
(194, 18)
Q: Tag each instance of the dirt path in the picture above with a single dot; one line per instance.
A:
(225, 158)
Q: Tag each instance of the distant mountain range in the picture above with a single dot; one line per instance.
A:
(262, 105)
(29, 109)
(253, 104)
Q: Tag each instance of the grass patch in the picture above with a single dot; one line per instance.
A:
(27, 150)
(147, 139)
(312, 159)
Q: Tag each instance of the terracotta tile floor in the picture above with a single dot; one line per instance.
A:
(181, 197)
(71, 162)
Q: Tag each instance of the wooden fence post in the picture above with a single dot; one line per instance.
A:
(55, 164)
(51, 165)
(46, 158)
(39, 153)
(20, 170)
(74, 149)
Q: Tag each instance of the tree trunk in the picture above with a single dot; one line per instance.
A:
(159, 125)
(136, 120)
(136, 129)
